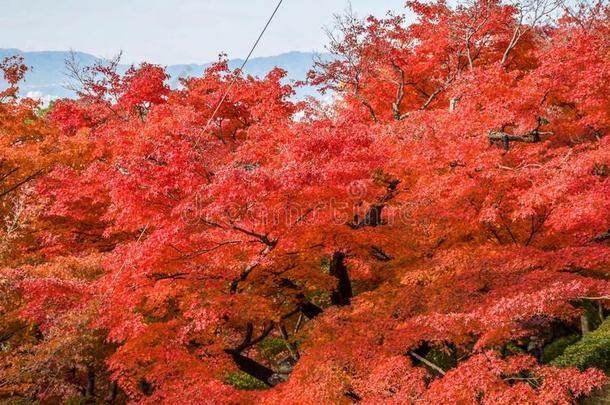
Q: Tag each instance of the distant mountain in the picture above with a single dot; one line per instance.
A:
(47, 78)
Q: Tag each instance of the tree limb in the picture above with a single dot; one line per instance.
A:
(254, 264)
(428, 363)
(21, 183)
(504, 137)
(602, 237)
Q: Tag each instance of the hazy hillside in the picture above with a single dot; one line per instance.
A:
(47, 78)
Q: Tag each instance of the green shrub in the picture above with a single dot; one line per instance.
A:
(272, 346)
(442, 358)
(592, 350)
(557, 347)
(243, 381)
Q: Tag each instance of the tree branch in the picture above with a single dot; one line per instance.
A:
(428, 363)
(504, 137)
(21, 183)
(602, 237)
(254, 264)
(400, 93)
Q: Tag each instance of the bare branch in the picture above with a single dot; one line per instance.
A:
(428, 363)
(531, 13)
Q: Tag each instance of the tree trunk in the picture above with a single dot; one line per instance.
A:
(114, 391)
(453, 104)
(252, 368)
(90, 391)
(585, 327)
(342, 295)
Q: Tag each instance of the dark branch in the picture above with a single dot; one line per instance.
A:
(248, 341)
(602, 237)
(310, 310)
(21, 183)
(160, 276)
(251, 367)
(372, 217)
(254, 264)
(342, 295)
(6, 175)
(380, 254)
(505, 138)
(353, 396)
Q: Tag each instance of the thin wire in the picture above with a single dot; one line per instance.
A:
(222, 100)
(224, 97)
(243, 65)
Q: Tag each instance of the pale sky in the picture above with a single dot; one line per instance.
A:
(170, 32)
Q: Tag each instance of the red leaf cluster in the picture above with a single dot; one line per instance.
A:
(420, 240)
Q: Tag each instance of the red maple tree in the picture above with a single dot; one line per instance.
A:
(426, 238)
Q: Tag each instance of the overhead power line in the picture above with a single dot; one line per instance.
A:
(222, 100)
(243, 65)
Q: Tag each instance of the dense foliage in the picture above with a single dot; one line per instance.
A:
(438, 234)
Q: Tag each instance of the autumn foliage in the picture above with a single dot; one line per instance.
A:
(439, 233)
